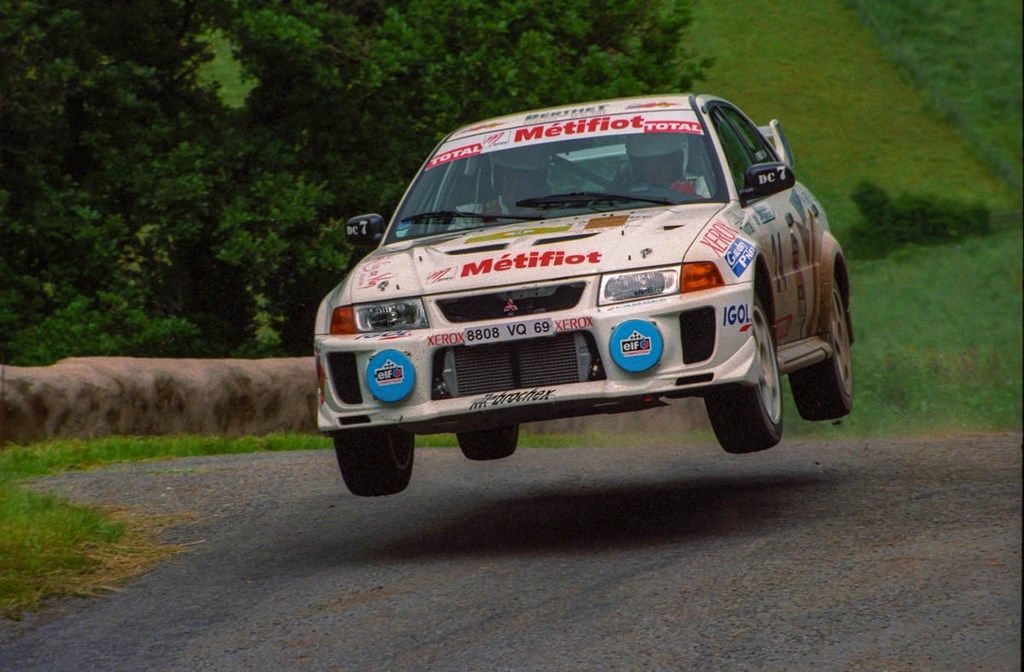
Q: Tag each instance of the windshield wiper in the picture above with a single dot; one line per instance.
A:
(452, 214)
(587, 198)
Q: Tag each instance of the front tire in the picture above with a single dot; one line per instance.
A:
(745, 418)
(489, 444)
(824, 391)
(375, 462)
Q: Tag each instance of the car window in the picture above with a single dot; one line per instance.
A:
(754, 142)
(470, 186)
(735, 148)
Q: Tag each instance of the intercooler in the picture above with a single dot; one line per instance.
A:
(553, 360)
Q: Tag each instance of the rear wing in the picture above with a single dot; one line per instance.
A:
(775, 135)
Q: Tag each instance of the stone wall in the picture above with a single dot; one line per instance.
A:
(99, 396)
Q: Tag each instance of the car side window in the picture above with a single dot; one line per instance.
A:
(735, 148)
(755, 143)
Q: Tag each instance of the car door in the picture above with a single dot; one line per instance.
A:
(776, 221)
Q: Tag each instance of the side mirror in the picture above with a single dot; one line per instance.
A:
(365, 230)
(765, 179)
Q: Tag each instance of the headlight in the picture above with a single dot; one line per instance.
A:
(620, 287)
(384, 316)
(402, 314)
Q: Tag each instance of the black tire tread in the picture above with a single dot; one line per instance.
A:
(368, 464)
(489, 444)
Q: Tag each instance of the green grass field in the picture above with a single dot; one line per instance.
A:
(966, 58)
(848, 111)
(938, 340)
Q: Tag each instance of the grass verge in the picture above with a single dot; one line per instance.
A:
(50, 547)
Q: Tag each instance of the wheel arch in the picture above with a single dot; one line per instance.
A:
(834, 271)
(763, 288)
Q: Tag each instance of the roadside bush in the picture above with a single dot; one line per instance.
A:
(82, 328)
(889, 222)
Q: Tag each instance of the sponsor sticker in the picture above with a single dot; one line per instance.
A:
(718, 237)
(446, 338)
(561, 124)
(673, 126)
(510, 398)
(373, 273)
(463, 152)
(568, 113)
(765, 212)
(390, 376)
(782, 326)
(738, 314)
(496, 139)
(484, 127)
(647, 106)
(739, 256)
(441, 275)
(636, 345)
(383, 336)
(613, 221)
(574, 323)
(507, 262)
(519, 233)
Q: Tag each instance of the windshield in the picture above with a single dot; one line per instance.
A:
(557, 169)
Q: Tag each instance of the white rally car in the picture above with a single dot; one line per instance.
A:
(596, 258)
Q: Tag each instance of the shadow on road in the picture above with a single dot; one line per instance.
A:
(597, 519)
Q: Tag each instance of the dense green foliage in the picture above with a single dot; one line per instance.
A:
(140, 213)
(887, 223)
(966, 57)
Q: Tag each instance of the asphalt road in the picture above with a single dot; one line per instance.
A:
(855, 555)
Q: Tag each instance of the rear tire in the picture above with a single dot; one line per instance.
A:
(824, 391)
(746, 418)
(375, 462)
(489, 444)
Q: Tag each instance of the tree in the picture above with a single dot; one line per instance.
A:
(134, 202)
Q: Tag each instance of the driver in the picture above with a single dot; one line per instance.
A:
(518, 173)
(659, 160)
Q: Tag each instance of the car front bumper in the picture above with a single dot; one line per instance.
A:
(347, 404)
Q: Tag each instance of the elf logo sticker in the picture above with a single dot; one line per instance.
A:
(390, 376)
(636, 345)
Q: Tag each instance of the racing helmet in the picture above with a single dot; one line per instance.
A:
(651, 153)
(520, 172)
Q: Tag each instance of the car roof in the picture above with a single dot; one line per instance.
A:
(672, 101)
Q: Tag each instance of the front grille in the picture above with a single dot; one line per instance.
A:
(555, 360)
(697, 329)
(512, 303)
(344, 377)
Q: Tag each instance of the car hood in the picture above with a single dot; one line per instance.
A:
(525, 252)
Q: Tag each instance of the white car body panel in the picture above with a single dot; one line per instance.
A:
(782, 232)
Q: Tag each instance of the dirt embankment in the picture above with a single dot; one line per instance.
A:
(99, 396)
